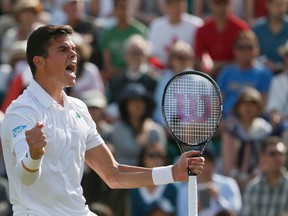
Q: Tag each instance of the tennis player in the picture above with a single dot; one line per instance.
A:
(48, 136)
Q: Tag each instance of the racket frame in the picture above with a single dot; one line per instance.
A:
(192, 181)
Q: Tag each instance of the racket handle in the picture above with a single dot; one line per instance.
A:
(192, 196)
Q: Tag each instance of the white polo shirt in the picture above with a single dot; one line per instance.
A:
(70, 132)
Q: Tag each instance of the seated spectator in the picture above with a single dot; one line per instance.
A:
(135, 128)
(255, 9)
(175, 25)
(144, 200)
(215, 192)
(181, 57)
(273, 28)
(26, 13)
(224, 26)
(246, 71)
(20, 79)
(138, 70)
(277, 101)
(201, 8)
(101, 9)
(113, 38)
(267, 193)
(242, 136)
(147, 11)
(16, 52)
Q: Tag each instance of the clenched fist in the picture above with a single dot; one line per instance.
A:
(36, 140)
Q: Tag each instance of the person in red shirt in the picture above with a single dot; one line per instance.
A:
(216, 37)
(255, 9)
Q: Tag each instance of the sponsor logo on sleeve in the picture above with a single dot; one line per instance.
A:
(18, 130)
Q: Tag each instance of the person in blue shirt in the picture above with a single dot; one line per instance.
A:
(246, 71)
(272, 28)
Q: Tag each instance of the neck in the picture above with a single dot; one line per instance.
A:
(175, 20)
(245, 65)
(54, 91)
(273, 177)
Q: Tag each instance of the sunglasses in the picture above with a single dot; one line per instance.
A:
(244, 47)
(155, 155)
(221, 1)
(275, 153)
(181, 57)
(136, 53)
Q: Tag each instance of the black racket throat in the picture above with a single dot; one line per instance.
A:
(184, 147)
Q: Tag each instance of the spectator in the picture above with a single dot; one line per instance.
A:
(181, 57)
(277, 102)
(215, 192)
(83, 24)
(144, 199)
(224, 26)
(273, 28)
(20, 79)
(147, 11)
(138, 69)
(246, 71)
(175, 25)
(113, 38)
(102, 9)
(15, 54)
(255, 9)
(267, 194)
(88, 75)
(26, 13)
(135, 129)
(201, 8)
(242, 136)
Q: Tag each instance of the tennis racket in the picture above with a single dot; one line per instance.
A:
(192, 111)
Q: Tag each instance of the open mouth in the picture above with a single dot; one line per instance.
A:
(71, 69)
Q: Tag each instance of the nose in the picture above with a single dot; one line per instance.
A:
(73, 54)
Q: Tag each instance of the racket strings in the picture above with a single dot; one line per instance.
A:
(193, 107)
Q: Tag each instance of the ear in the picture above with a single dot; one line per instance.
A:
(39, 61)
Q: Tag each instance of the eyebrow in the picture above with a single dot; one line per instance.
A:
(73, 47)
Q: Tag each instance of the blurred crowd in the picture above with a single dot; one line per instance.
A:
(127, 51)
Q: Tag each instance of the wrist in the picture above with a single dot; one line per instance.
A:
(29, 164)
(162, 175)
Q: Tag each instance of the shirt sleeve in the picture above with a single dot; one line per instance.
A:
(16, 125)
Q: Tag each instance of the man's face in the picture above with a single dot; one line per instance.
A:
(276, 156)
(60, 65)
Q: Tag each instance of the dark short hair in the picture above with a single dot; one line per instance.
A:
(40, 40)
(270, 141)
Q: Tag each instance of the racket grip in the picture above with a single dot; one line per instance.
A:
(192, 196)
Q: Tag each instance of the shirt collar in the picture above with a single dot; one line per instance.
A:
(42, 96)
